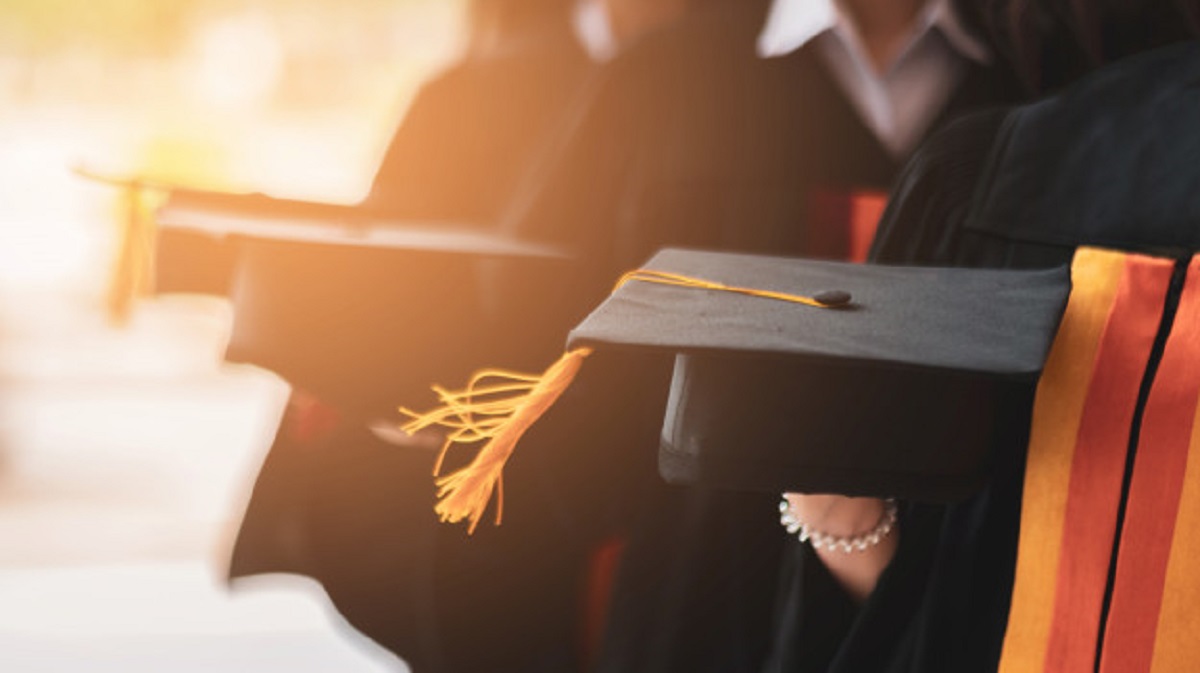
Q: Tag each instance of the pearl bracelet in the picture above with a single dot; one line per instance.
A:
(820, 540)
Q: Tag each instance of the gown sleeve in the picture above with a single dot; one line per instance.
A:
(923, 223)
(908, 619)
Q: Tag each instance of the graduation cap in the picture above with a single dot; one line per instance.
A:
(364, 309)
(794, 374)
(349, 302)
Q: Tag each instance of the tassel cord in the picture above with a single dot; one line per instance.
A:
(501, 412)
(680, 280)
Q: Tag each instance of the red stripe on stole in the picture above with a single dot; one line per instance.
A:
(1098, 466)
(866, 209)
(840, 222)
(1058, 410)
(1154, 494)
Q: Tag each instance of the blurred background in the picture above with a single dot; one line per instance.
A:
(127, 447)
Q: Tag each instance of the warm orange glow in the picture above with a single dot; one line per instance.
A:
(235, 61)
(125, 451)
(291, 98)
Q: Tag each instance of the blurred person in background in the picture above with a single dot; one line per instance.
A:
(473, 131)
(469, 135)
(1077, 554)
(748, 125)
(341, 502)
(769, 127)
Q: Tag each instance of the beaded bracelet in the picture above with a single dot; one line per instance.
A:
(820, 540)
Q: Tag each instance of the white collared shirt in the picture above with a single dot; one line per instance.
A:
(899, 102)
(593, 29)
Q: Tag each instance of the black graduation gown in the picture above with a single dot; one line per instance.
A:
(471, 133)
(191, 262)
(1057, 174)
(691, 140)
(330, 500)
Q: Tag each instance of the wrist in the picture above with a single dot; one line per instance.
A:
(837, 522)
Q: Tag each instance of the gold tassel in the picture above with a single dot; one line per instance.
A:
(133, 272)
(499, 413)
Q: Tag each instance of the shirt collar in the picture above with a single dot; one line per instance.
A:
(593, 30)
(791, 24)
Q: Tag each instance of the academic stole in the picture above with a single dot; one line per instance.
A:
(1067, 597)
(841, 223)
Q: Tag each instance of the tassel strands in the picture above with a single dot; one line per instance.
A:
(133, 270)
(133, 267)
(498, 413)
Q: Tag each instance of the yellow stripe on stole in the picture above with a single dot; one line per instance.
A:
(1058, 407)
(1177, 643)
(1178, 640)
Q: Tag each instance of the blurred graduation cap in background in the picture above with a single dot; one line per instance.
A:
(319, 293)
(256, 215)
(345, 301)
(795, 375)
(357, 307)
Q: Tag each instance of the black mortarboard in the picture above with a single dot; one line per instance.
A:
(895, 392)
(346, 301)
(360, 308)
(264, 217)
(832, 377)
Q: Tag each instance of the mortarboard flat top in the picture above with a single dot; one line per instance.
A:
(996, 322)
(256, 216)
(221, 214)
(352, 304)
(897, 393)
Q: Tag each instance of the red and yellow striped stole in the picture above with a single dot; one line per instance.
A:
(1087, 402)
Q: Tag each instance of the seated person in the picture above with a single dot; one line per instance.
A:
(329, 485)
(1076, 554)
(741, 131)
